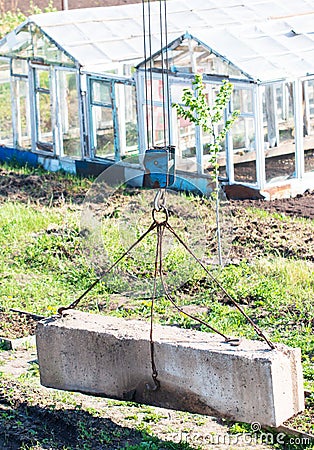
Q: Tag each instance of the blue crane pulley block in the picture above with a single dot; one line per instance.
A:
(159, 167)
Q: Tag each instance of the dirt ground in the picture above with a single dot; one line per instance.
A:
(14, 325)
(41, 418)
(300, 206)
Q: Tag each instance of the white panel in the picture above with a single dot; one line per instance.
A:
(246, 32)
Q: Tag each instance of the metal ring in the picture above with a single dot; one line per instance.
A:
(163, 210)
(234, 342)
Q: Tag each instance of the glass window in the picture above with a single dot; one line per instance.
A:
(184, 131)
(243, 134)
(212, 64)
(127, 120)
(18, 44)
(158, 120)
(308, 125)
(6, 134)
(243, 100)
(43, 109)
(19, 67)
(157, 90)
(103, 132)
(44, 118)
(211, 91)
(46, 51)
(186, 142)
(189, 56)
(30, 42)
(279, 144)
(22, 110)
(101, 92)
(244, 157)
(177, 91)
(69, 113)
(103, 136)
(42, 79)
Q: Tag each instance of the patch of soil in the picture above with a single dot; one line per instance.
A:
(55, 425)
(280, 236)
(299, 206)
(307, 416)
(14, 325)
(48, 189)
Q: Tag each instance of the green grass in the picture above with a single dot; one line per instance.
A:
(43, 266)
(37, 259)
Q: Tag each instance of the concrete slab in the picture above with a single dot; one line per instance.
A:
(198, 372)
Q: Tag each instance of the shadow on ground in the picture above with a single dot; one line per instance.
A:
(24, 426)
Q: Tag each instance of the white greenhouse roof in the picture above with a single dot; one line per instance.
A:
(267, 39)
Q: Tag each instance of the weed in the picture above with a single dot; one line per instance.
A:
(105, 437)
(153, 417)
(132, 417)
(153, 443)
(32, 371)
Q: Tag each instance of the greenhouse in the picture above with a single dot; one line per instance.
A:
(73, 91)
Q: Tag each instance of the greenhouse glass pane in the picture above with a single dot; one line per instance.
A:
(101, 92)
(6, 135)
(44, 118)
(19, 67)
(131, 119)
(212, 64)
(243, 100)
(243, 135)
(308, 125)
(186, 145)
(23, 125)
(127, 122)
(177, 91)
(103, 132)
(69, 113)
(158, 121)
(18, 44)
(42, 79)
(244, 158)
(24, 113)
(46, 51)
(279, 126)
(189, 56)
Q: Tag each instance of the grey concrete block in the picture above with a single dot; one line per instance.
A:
(198, 372)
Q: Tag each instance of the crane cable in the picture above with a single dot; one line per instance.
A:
(160, 198)
(148, 73)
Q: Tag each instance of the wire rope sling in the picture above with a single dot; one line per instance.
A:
(159, 162)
